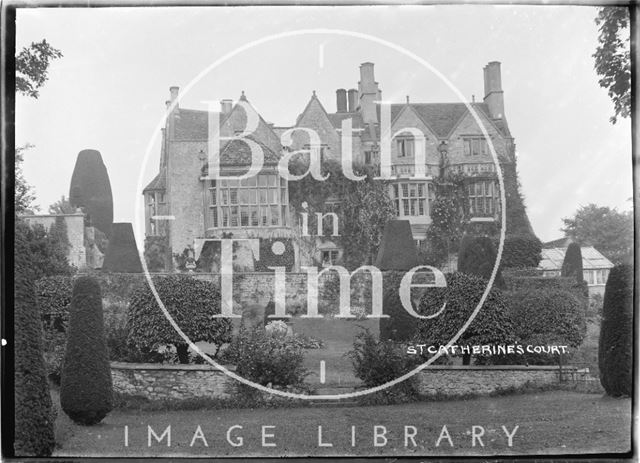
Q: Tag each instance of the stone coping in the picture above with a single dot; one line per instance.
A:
(169, 366)
(207, 367)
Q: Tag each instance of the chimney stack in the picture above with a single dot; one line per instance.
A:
(341, 100)
(353, 100)
(493, 94)
(174, 94)
(369, 94)
(226, 106)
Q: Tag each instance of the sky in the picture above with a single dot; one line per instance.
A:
(108, 92)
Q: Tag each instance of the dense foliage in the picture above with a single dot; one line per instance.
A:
(492, 325)
(521, 251)
(156, 253)
(46, 248)
(552, 317)
(613, 59)
(270, 259)
(615, 349)
(606, 229)
(86, 394)
(190, 302)
(572, 264)
(477, 256)
(400, 325)
(377, 362)
(24, 193)
(32, 66)
(364, 207)
(34, 416)
(269, 359)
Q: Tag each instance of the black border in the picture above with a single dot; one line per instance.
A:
(7, 221)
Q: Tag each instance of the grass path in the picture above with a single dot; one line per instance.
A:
(555, 422)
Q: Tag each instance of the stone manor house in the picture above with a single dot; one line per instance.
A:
(259, 207)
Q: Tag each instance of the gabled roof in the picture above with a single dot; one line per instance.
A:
(592, 259)
(238, 153)
(337, 118)
(158, 183)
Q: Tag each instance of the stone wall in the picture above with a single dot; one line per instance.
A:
(452, 381)
(75, 233)
(179, 382)
(161, 382)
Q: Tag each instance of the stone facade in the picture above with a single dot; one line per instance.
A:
(453, 142)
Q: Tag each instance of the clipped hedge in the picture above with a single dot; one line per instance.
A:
(400, 325)
(492, 324)
(34, 418)
(525, 284)
(615, 347)
(477, 256)
(553, 317)
(520, 251)
(86, 394)
(190, 302)
(572, 264)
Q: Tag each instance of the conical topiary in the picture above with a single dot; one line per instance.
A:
(572, 264)
(477, 256)
(615, 348)
(122, 252)
(34, 415)
(397, 254)
(91, 190)
(86, 391)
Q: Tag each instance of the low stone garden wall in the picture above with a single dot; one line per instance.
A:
(179, 382)
(454, 380)
(162, 381)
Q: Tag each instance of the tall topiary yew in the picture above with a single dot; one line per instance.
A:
(615, 348)
(477, 256)
(33, 409)
(572, 264)
(86, 393)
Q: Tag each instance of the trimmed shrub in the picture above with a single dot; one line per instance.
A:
(379, 362)
(492, 325)
(190, 302)
(122, 252)
(520, 251)
(156, 253)
(521, 284)
(270, 360)
(615, 348)
(547, 318)
(86, 394)
(400, 325)
(34, 415)
(572, 264)
(477, 256)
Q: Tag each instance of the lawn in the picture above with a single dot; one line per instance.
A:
(554, 422)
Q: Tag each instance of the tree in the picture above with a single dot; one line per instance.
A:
(552, 317)
(191, 303)
(32, 67)
(492, 325)
(606, 229)
(613, 58)
(477, 256)
(62, 206)
(24, 193)
(47, 249)
(34, 416)
(363, 208)
(86, 391)
(572, 263)
(615, 347)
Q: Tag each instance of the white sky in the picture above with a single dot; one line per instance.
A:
(109, 89)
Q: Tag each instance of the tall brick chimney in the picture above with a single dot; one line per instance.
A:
(226, 106)
(493, 94)
(353, 100)
(368, 92)
(341, 100)
(174, 94)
